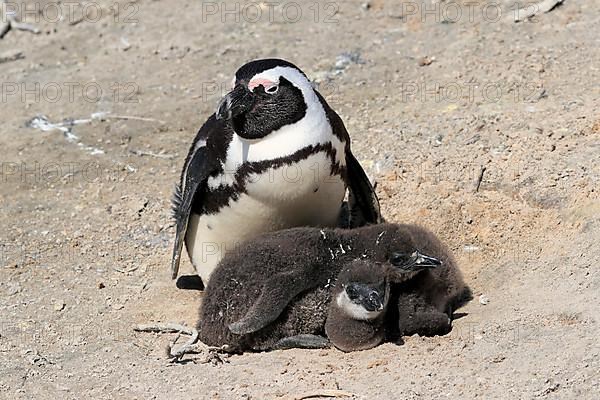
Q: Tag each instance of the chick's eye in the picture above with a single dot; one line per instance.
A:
(351, 291)
(272, 89)
(399, 258)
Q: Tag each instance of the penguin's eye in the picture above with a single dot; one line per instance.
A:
(272, 89)
(351, 291)
(398, 258)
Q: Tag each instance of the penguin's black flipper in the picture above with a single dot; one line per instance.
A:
(198, 167)
(417, 316)
(363, 207)
(273, 299)
(303, 341)
(362, 197)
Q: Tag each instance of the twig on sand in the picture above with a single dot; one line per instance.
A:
(214, 355)
(126, 271)
(8, 57)
(10, 20)
(134, 118)
(479, 179)
(532, 10)
(4, 28)
(172, 328)
(22, 26)
(324, 393)
(104, 115)
(142, 153)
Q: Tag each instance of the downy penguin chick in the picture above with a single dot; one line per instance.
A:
(424, 305)
(360, 299)
(248, 302)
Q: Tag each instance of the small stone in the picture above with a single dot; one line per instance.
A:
(483, 300)
(101, 285)
(424, 61)
(345, 59)
(59, 305)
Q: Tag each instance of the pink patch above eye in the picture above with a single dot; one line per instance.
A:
(260, 81)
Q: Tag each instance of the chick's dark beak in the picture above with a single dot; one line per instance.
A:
(366, 296)
(374, 302)
(236, 102)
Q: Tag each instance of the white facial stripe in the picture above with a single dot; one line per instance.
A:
(313, 129)
(354, 310)
(255, 82)
(292, 75)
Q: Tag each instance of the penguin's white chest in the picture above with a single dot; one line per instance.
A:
(301, 194)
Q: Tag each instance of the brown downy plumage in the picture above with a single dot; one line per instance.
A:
(355, 320)
(424, 305)
(274, 291)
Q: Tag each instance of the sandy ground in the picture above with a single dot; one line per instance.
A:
(430, 98)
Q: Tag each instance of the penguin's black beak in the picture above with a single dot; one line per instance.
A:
(235, 103)
(416, 261)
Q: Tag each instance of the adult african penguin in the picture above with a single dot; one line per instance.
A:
(277, 289)
(273, 156)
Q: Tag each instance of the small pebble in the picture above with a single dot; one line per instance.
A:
(424, 61)
(483, 300)
(59, 305)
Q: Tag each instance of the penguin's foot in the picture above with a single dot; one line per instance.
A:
(305, 341)
(10, 21)
(190, 282)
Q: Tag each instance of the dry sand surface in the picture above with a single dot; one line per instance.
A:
(433, 100)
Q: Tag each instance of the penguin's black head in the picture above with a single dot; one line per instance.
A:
(398, 246)
(266, 96)
(362, 289)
